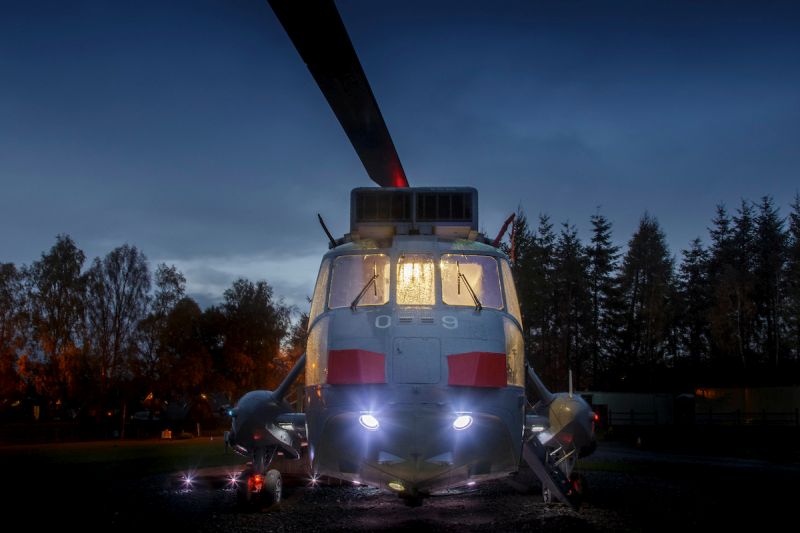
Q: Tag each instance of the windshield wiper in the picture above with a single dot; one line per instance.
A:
(361, 294)
(461, 276)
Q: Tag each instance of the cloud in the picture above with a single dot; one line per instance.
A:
(207, 278)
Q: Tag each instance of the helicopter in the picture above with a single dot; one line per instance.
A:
(415, 369)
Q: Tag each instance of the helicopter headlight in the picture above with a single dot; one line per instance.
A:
(369, 422)
(462, 422)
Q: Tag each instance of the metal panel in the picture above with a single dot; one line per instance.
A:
(416, 360)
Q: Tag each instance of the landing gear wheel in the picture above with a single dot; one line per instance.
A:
(578, 486)
(273, 488)
(244, 496)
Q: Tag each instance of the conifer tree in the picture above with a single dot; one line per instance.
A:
(695, 301)
(602, 258)
(646, 283)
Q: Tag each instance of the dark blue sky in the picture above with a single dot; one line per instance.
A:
(193, 130)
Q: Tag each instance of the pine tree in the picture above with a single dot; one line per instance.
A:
(695, 300)
(572, 305)
(721, 275)
(542, 327)
(768, 268)
(602, 258)
(791, 311)
(646, 283)
(732, 315)
(744, 241)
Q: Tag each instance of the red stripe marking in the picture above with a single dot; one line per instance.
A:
(347, 367)
(477, 369)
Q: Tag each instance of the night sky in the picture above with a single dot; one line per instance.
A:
(193, 130)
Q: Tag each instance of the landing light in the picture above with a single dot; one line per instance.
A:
(462, 422)
(369, 422)
(396, 485)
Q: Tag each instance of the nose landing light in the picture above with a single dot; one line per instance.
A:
(462, 422)
(369, 422)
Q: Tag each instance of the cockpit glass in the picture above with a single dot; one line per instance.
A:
(415, 284)
(363, 279)
(512, 301)
(318, 301)
(466, 278)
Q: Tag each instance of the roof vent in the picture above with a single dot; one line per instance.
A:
(450, 212)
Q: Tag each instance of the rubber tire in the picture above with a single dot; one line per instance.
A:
(580, 486)
(244, 497)
(273, 487)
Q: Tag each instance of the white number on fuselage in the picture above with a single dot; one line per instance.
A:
(450, 322)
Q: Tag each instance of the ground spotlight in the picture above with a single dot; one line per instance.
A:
(187, 479)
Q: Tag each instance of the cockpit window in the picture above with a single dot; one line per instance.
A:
(318, 301)
(471, 280)
(359, 279)
(415, 284)
(512, 301)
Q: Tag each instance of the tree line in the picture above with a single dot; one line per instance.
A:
(726, 314)
(80, 339)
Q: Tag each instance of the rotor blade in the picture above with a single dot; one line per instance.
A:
(317, 31)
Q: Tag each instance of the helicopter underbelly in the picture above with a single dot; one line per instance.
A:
(416, 448)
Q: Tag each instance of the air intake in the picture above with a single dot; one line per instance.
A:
(450, 212)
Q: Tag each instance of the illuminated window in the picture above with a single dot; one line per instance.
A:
(415, 280)
(515, 354)
(465, 275)
(512, 302)
(320, 289)
(364, 278)
(317, 353)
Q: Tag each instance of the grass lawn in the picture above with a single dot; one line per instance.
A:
(104, 460)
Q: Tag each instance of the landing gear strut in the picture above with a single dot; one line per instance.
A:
(553, 467)
(257, 485)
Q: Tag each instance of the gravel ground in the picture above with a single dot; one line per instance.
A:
(629, 490)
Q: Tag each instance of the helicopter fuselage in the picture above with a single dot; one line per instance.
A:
(418, 386)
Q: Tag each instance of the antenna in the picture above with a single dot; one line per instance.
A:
(325, 229)
(570, 383)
